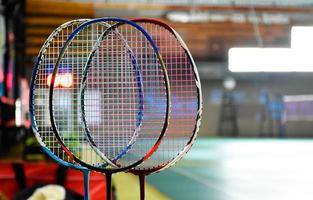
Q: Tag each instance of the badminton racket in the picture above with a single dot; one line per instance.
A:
(39, 97)
(107, 99)
(186, 98)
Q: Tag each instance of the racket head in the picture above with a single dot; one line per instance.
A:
(186, 97)
(147, 148)
(112, 51)
(39, 112)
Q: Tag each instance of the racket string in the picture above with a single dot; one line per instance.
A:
(183, 97)
(66, 100)
(40, 107)
(126, 47)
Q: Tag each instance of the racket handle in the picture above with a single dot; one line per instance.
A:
(108, 177)
(142, 178)
(86, 174)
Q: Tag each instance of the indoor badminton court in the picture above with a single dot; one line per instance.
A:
(156, 100)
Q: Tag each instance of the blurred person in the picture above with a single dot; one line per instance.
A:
(265, 128)
(276, 113)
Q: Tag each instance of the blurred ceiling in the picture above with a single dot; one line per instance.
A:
(209, 27)
(213, 2)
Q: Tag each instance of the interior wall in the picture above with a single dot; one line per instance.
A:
(248, 91)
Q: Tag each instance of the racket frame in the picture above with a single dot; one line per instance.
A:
(82, 97)
(193, 137)
(115, 169)
(45, 149)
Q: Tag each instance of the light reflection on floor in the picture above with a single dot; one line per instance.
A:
(241, 169)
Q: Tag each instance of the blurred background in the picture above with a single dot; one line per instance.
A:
(255, 65)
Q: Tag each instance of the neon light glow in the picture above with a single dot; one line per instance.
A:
(61, 80)
(298, 58)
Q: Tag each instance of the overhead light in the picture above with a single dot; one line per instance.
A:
(229, 83)
(298, 58)
(188, 17)
(269, 60)
(302, 37)
(298, 98)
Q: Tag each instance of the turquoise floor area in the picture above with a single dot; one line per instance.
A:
(241, 169)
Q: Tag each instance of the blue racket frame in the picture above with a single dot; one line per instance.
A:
(84, 170)
(53, 124)
(109, 171)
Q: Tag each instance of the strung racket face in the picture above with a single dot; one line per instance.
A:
(119, 98)
(186, 97)
(112, 95)
(39, 92)
(66, 114)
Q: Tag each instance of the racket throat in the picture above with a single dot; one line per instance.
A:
(142, 181)
(108, 177)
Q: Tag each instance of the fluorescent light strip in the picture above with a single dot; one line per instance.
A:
(301, 37)
(297, 98)
(269, 60)
(296, 59)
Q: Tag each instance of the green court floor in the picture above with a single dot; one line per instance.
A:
(240, 169)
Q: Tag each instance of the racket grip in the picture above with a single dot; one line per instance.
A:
(142, 178)
(86, 174)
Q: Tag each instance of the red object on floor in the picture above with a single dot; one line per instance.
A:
(43, 172)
